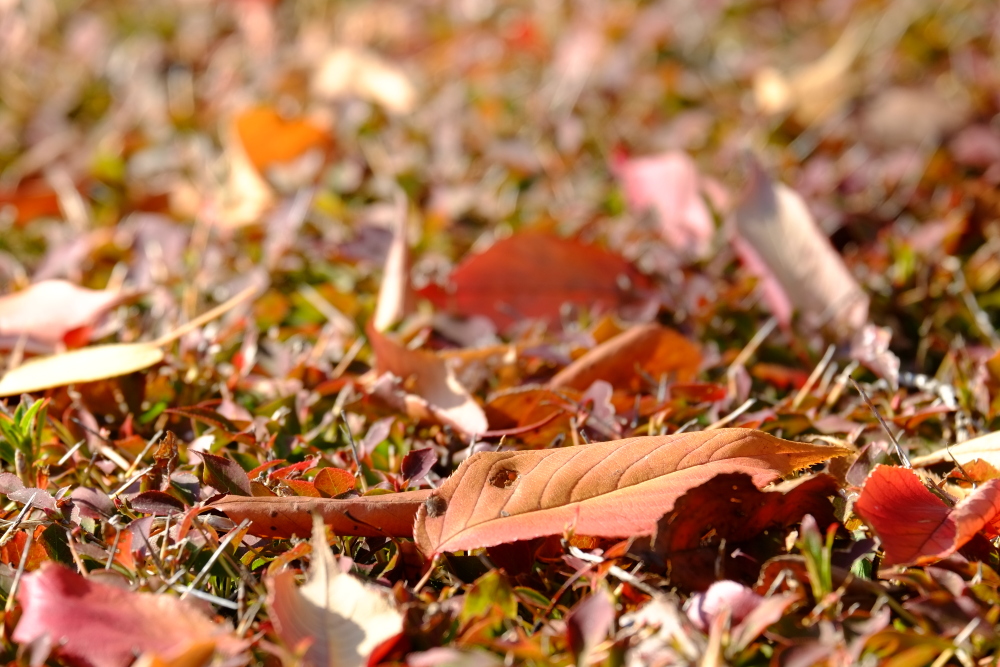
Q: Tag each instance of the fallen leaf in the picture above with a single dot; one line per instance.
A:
(630, 360)
(342, 617)
(31, 199)
(48, 311)
(431, 379)
(388, 514)
(535, 415)
(531, 275)
(914, 525)
(394, 293)
(100, 362)
(669, 184)
(225, 474)
(781, 243)
(610, 489)
(268, 138)
(334, 481)
(107, 626)
(417, 463)
(84, 365)
(195, 654)
(985, 447)
(348, 71)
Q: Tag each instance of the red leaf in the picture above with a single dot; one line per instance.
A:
(107, 626)
(914, 525)
(531, 275)
(417, 463)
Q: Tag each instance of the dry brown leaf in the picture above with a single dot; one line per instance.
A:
(430, 378)
(394, 294)
(609, 489)
(628, 359)
(389, 514)
(84, 365)
(795, 260)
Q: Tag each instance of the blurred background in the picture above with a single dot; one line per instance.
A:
(178, 147)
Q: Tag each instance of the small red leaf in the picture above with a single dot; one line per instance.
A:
(418, 463)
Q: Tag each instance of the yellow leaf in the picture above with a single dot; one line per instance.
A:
(85, 365)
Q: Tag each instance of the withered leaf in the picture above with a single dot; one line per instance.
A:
(610, 489)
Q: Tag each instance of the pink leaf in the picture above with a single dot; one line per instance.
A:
(669, 184)
(47, 311)
(107, 626)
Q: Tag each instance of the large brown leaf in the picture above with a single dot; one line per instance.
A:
(609, 489)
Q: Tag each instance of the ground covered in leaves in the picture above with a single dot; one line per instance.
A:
(462, 332)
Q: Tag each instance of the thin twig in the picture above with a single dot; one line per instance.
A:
(904, 459)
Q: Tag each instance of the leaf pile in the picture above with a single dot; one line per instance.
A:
(471, 333)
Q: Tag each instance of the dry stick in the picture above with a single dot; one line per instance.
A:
(814, 376)
(616, 571)
(208, 316)
(732, 415)
(899, 450)
(190, 588)
(354, 449)
(20, 572)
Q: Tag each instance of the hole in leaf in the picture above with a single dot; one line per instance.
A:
(503, 478)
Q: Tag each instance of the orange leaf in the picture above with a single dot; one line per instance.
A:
(268, 138)
(609, 489)
(538, 415)
(334, 481)
(389, 514)
(649, 349)
(914, 525)
(532, 274)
